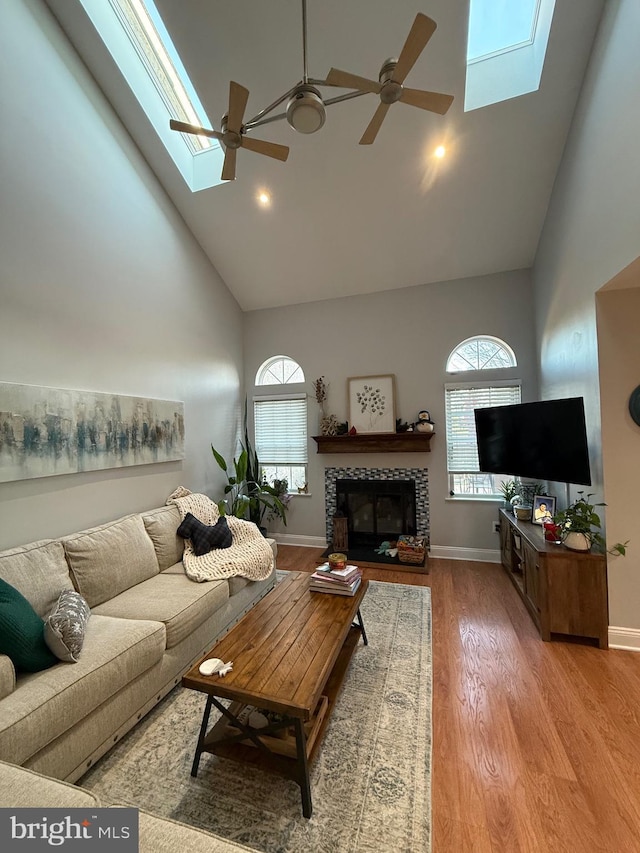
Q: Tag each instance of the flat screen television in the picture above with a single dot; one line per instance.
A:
(542, 441)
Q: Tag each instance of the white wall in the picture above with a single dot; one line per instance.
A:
(102, 286)
(592, 231)
(410, 333)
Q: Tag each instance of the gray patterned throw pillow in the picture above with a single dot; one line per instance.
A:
(64, 627)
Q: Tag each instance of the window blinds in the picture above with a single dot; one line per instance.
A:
(281, 430)
(460, 401)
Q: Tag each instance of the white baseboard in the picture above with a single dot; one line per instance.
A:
(624, 638)
(446, 552)
(297, 539)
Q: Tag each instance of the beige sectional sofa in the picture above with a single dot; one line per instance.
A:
(148, 624)
(21, 788)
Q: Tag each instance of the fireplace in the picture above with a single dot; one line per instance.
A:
(398, 497)
(376, 510)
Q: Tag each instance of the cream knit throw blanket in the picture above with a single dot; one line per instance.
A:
(250, 555)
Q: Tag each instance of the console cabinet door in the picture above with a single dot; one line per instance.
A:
(506, 544)
(531, 575)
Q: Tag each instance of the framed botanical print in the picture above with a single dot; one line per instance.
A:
(372, 403)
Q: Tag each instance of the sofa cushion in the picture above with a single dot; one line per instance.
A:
(65, 626)
(39, 571)
(162, 526)
(178, 602)
(106, 560)
(175, 569)
(22, 632)
(47, 704)
(205, 537)
(7, 677)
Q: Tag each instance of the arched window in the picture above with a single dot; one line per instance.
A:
(481, 352)
(279, 370)
(477, 354)
(280, 422)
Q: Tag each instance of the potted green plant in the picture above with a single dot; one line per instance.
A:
(522, 501)
(247, 489)
(580, 527)
(246, 494)
(508, 490)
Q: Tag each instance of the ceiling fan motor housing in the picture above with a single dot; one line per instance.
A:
(305, 110)
(391, 91)
(229, 138)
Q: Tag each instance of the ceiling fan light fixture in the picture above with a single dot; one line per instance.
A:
(306, 111)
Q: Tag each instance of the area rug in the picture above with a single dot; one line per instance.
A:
(370, 782)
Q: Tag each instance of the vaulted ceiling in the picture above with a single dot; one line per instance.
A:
(352, 219)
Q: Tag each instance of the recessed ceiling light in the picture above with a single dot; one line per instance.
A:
(264, 198)
(440, 151)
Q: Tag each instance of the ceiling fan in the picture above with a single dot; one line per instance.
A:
(232, 133)
(306, 108)
(391, 78)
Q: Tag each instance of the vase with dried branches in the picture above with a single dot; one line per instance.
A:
(328, 423)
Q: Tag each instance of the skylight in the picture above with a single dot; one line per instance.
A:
(138, 41)
(506, 49)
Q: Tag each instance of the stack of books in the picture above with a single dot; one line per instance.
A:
(337, 581)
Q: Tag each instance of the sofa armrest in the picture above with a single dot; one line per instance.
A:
(7, 676)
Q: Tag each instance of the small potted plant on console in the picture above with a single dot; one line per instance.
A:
(580, 527)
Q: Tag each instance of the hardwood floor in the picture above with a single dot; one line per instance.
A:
(536, 746)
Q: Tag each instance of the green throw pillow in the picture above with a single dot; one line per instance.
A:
(22, 632)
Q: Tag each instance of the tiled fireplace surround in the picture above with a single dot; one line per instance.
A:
(419, 475)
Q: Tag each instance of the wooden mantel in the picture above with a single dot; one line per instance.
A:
(392, 442)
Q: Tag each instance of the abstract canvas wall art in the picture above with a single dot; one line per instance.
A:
(47, 431)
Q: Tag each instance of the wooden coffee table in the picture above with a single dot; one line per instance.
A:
(290, 654)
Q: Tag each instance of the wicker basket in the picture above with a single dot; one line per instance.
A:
(411, 549)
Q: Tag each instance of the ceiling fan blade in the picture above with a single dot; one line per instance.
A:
(433, 101)
(374, 125)
(238, 97)
(421, 31)
(229, 167)
(352, 81)
(271, 149)
(183, 127)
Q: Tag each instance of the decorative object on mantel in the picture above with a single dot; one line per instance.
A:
(372, 403)
(47, 431)
(396, 442)
(424, 422)
(328, 423)
(580, 527)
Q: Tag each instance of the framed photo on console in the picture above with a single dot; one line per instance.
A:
(372, 403)
(544, 508)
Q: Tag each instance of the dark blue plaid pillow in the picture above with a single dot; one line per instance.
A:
(205, 537)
